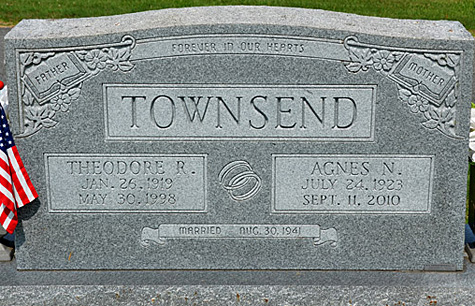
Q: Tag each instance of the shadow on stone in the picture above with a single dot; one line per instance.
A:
(25, 213)
(29, 210)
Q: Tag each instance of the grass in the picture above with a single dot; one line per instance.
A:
(12, 11)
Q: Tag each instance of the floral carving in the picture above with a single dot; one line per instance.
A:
(118, 59)
(100, 59)
(418, 104)
(437, 115)
(65, 97)
(363, 58)
(383, 60)
(39, 116)
(440, 117)
(40, 112)
(450, 60)
(95, 59)
(33, 58)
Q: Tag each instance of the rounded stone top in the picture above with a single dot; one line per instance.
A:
(244, 15)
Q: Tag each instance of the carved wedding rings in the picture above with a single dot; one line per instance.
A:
(239, 180)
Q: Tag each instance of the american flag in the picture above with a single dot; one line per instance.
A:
(16, 189)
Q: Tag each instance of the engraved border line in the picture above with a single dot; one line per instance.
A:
(352, 42)
(309, 38)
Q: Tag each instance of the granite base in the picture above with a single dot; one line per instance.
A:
(375, 288)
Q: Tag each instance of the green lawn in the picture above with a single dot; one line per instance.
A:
(12, 11)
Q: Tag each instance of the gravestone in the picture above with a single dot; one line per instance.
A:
(244, 138)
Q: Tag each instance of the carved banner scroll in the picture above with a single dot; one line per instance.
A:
(159, 236)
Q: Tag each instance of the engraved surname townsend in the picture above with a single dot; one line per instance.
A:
(351, 184)
(126, 183)
(231, 111)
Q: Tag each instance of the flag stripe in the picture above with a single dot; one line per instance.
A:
(18, 172)
(17, 198)
(6, 186)
(3, 216)
(4, 167)
(4, 157)
(13, 221)
(8, 219)
(6, 192)
(31, 190)
(4, 173)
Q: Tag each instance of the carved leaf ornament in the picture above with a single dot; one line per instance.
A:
(427, 82)
(52, 81)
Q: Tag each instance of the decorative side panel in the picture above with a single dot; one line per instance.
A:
(427, 80)
(49, 81)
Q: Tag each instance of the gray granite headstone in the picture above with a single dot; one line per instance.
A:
(3, 32)
(242, 138)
